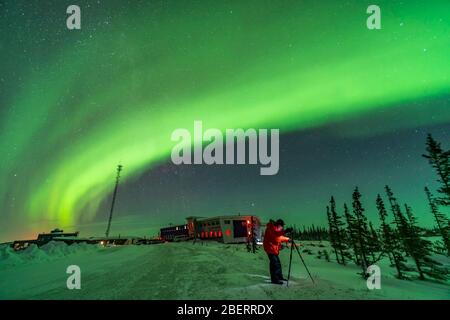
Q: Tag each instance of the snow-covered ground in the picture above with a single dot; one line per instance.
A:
(192, 271)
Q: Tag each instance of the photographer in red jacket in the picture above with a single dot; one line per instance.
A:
(273, 238)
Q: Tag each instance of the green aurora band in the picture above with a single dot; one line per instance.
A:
(114, 92)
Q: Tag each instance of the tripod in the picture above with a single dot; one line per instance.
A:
(301, 258)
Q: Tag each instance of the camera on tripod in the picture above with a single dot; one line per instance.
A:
(288, 230)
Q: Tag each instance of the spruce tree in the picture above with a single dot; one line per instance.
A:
(389, 242)
(374, 243)
(339, 230)
(440, 161)
(399, 219)
(416, 247)
(362, 230)
(386, 231)
(441, 220)
(421, 250)
(352, 234)
(332, 234)
(412, 240)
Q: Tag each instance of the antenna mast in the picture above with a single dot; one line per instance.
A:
(119, 168)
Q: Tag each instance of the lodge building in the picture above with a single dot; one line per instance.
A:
(226, 229)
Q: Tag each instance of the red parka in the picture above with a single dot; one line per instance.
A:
(273, 239)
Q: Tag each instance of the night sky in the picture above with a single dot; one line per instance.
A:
(353, 107)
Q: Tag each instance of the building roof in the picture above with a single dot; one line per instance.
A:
(229, 217)
(58, 233)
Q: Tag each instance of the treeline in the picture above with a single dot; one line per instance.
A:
(315, 233)
(355, 239)
(310, 233)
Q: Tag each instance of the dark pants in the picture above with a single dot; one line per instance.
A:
(275, 267)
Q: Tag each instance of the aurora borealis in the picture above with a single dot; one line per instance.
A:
(354, 101)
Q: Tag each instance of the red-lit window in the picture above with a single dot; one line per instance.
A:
(215, 234)
(228, 232)
(248, 221)
(220, 233)
(211, 234)
(203, 234)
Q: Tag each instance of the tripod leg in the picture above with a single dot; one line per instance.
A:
(303, 261)
(290, 264)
